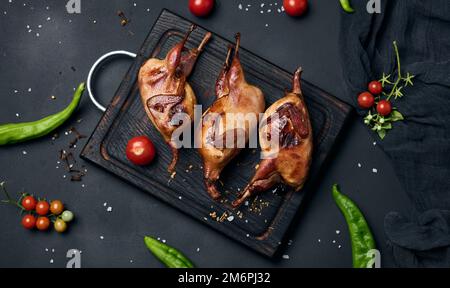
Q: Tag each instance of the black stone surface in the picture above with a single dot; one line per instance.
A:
(54, 62)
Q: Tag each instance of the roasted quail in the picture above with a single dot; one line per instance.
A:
(165, 91)
(289, 160)
(234, 96)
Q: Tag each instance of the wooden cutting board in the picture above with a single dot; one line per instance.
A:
(262, 223)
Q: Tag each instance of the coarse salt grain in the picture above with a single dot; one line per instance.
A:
(375, 170)
(286, 257)
(109, 209)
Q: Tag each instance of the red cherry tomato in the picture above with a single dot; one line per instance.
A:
(140, 150)
(28, 203)
(42, 207)
(366, 100)
(295, 7)
(42, 223)
(384, 107)
(201, 8)
(28, 221)
(375, 87)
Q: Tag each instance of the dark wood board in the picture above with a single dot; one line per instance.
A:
(268, 216)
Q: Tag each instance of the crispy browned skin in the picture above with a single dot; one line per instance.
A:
(234, 95)
(165, 91)
(291, 165)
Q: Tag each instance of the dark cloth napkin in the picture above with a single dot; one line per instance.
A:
(419, 147)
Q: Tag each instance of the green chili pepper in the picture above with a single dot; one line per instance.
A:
(347, 6)
(169, 256)
(20, 132)
(360, 235)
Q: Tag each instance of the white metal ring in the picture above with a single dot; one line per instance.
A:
(94, 67)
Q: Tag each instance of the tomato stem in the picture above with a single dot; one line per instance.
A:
(399, 77)
(9, 199)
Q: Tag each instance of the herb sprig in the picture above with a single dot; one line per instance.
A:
(395, 84)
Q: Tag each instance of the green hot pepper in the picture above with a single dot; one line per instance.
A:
(20, 132)
(169, 256)
(360, 235)
(347, 6)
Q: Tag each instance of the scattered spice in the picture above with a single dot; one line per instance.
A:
(258, 205)
(223, 217)
(78, 136)
(123, 19)
(70, 164)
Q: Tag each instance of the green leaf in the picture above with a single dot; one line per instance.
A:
(387, 126)
(396, 116)
(385, 79)
(408, 79)
(381, 133)
(398, 92)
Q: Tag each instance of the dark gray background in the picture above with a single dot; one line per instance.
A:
(44, 64)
